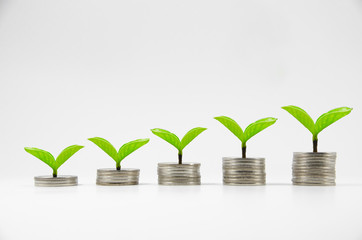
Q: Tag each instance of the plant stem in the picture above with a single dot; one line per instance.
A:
(244, 151)
(315, 145)
(55, 173)
(179, 158)
(118, 166)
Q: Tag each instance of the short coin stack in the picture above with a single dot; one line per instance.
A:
(60, 181)
(179, 174)
(314, 168)
(243, 171)
(114, 177)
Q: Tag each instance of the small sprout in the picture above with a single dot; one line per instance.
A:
(47, 158)
(175, 141)
(250, 131)
(123, 152)
(322, 122)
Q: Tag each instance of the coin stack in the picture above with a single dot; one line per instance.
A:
(114, 177)
(312, 168)
(243, 171)
(60, 181)
(179, 174)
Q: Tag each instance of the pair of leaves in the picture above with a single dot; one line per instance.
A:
(123, 152)
(48, 158)
(174, 140)
(250, 131)
(322, 122)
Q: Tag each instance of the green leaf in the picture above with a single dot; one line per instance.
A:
(302, 116)
(43, 155)
(258, 126)
(330, 117)
(130, 147)
(167, 136)
(232, 126)
(190, 135)
(66, 154)
(106, 146)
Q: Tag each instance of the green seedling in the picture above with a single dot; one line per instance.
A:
(123, 152)
(322, 122)
(175, 141)
(249, 132)
(48, 158)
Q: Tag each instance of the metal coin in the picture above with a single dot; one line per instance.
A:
(314, 168)
(243, 171)
(179, 174)
(59, 181)
(114, 177)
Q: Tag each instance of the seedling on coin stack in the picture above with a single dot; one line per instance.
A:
(315, 168)
(244, 171)
(178, 173)
(118, 175)
(47, 158)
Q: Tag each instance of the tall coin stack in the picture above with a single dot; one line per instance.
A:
(114, 177)
(179, 174)
(60, 181)
(314, 168)
(243, 171)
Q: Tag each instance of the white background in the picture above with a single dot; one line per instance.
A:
(70, 70)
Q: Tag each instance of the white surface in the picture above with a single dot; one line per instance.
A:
(211, 211)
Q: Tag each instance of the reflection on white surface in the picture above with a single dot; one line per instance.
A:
(209, 211)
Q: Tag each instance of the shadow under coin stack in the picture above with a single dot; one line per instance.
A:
(114, 177)
(179, 174)
(60, 181)
(243, 171)
(314, 168)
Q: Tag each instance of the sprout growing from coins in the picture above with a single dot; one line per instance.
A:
(123, 152)
(48, 158)
(175, 141)
(249, 132)
(322, 122)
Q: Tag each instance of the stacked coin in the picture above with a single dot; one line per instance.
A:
(114, 177)
(60, 181)
(312, 168)
(179, 174)
(243, 171)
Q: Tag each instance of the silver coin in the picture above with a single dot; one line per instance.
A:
(310, 183)
(245, 167)
(113, 171)
(314, 172)
(314, 154)
(179, 183)
(312, 164)
(59, 181)
(182, 166)
(179, 174)
(314, 183)
(243, 171)
(238, 159)
(114, 177)
(179, 179)
(244, 183)
(261, 176)
(117, 183)
(308, 170)
(314, 178)
(316, 169)
(172, 173)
